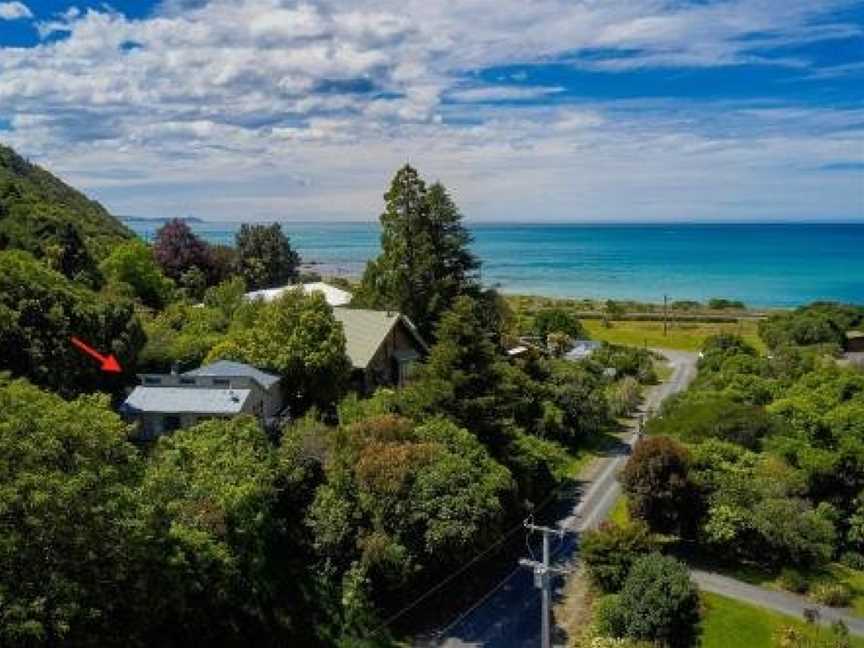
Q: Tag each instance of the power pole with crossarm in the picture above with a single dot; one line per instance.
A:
(543, 580)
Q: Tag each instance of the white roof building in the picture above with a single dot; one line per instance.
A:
(334, 296)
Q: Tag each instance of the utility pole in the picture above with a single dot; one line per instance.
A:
(665, 313)
(543, 580)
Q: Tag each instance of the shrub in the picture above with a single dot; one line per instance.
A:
(659, 602)
(853, 560)
(793, 580)
(624, 396)
(610, 551)
(656, 480)
(609, 616)
(701, 415)
(832, 594)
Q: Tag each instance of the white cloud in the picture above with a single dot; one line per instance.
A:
(14, 11)
(268, 108)
(503, 93)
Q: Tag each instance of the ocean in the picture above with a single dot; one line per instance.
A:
(763, 265)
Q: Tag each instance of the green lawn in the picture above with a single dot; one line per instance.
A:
(728, 623)
(684, 336)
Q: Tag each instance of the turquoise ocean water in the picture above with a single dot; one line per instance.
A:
(760, 264)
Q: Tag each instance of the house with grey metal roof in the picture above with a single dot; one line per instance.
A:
(383, 346)
(163, 403)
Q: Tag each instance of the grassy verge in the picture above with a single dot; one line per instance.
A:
(727, 622)
(619, 514)
(681, 336)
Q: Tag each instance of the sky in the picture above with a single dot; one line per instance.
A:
(527, 110)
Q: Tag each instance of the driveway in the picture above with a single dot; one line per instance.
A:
(783, 602)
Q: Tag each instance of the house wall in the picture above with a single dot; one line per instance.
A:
(382, 369)
(272, 400)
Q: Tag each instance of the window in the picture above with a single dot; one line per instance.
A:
(222, 382)
(187, 381)
(171, 423)
(152, 380)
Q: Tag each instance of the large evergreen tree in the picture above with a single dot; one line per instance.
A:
(265, 257)
(425, 262)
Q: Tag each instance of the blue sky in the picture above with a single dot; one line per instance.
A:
(550, 110)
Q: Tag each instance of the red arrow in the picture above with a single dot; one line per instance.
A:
(109, 362)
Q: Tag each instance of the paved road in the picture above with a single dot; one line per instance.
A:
(782, 602)
(509, 616)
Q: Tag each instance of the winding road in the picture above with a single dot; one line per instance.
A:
(508, 616)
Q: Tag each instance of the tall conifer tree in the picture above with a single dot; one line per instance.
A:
(425, 263)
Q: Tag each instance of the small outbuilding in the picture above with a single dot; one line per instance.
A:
(163, 403)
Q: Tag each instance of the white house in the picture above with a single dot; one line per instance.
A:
(163, 403)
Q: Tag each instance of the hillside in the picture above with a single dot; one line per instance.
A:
(36, 207)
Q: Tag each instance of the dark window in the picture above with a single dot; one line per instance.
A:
(221, 381)
(152, 380)
(187, 381)
(172, 423)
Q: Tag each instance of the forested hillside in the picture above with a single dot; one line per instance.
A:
(37, 210)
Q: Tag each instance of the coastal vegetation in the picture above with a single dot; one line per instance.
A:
(756, 470)
(329, 528)
(317, 532)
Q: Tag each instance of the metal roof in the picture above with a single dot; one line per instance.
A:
(228, 369)
(184, 400)
(333, 295)
(366, 330)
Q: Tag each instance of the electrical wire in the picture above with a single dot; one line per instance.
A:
(464, 568)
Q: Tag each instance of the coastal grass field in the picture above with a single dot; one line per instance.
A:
(681, 336)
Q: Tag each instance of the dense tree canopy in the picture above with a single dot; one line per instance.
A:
(68, 520)
(401, 503)
(297, 337)
(36, 208)
(210, 501)
(265, 257)
(41, 309)
(819, 323)
(557, 320)
(132, 265)
(425, 263)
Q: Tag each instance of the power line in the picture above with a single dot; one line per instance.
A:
(463, 569)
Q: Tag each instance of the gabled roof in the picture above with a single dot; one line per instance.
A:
(179, 400)
(366, 330)
(333, 295)
(228, 369)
